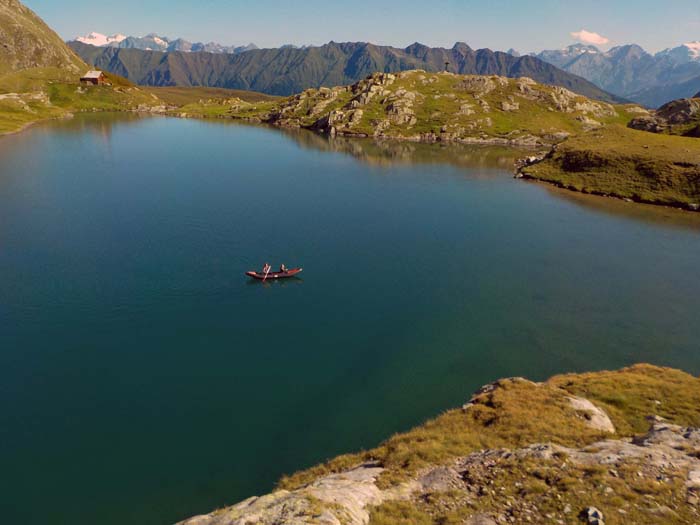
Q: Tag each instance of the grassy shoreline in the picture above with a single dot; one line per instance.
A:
(619, 162)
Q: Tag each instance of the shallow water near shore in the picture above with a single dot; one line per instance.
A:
(145, 379)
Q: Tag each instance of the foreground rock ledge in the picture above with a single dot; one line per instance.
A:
(582, 460)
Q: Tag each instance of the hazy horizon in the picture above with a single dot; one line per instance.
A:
(524, 26)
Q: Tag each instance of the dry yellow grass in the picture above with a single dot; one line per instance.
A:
(520, 412)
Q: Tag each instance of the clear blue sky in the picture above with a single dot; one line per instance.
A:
(526, 25)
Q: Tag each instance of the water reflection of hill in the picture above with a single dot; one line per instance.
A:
(494, 159)
(386, 153)
(100, 123)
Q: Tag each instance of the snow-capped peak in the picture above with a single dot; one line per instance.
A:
(688, 52)
(694, 48)
(580, 49)
(99, 40)
(153, 42)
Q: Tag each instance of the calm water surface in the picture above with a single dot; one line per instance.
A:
(144, 379)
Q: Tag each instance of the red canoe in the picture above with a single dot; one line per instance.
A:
(274, 275)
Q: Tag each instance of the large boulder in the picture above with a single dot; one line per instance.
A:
(680, 111)
(595, 417)
(649, 123)
(679, 116)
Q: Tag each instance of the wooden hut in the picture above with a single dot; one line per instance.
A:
(95, 78)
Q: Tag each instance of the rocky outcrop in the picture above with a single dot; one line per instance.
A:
(649, 123)
(510, 105)
(595, 417)
(524, 162)
(679, 116)
(680, 111)
(441, 107)
(568, 102)
(665, 451)
(598, 474)
(337, 499)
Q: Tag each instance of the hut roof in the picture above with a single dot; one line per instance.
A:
(93, 74)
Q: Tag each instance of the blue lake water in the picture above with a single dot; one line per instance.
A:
(145, 379)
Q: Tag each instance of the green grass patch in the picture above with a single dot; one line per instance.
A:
(400, 513)
(626, 163)
(181, 96)
(46, 93)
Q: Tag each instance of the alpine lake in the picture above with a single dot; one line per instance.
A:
(146, 379)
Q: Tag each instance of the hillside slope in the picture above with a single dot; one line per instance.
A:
(659, 95)
(655, 159)
(626, 163)
(606, 447)
(678, 117)
(285, 71)
(27, 42)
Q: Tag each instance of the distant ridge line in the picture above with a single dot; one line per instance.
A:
(288, 70)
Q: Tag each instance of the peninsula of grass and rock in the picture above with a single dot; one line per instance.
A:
(610, 447)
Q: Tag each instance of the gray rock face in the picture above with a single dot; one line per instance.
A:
(589, 123)
(509, 105)
(593, 516)
(680, 111)
(481, 519)
(477, 86)
(336, 499)
(441, 479)
(677, 113)
(648, 123)
(595, 417)
(568, 102)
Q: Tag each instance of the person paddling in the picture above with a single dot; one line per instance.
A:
(266, 270)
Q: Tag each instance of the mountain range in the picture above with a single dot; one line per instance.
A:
(288, 70)
(631, 72)
(154, 42)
